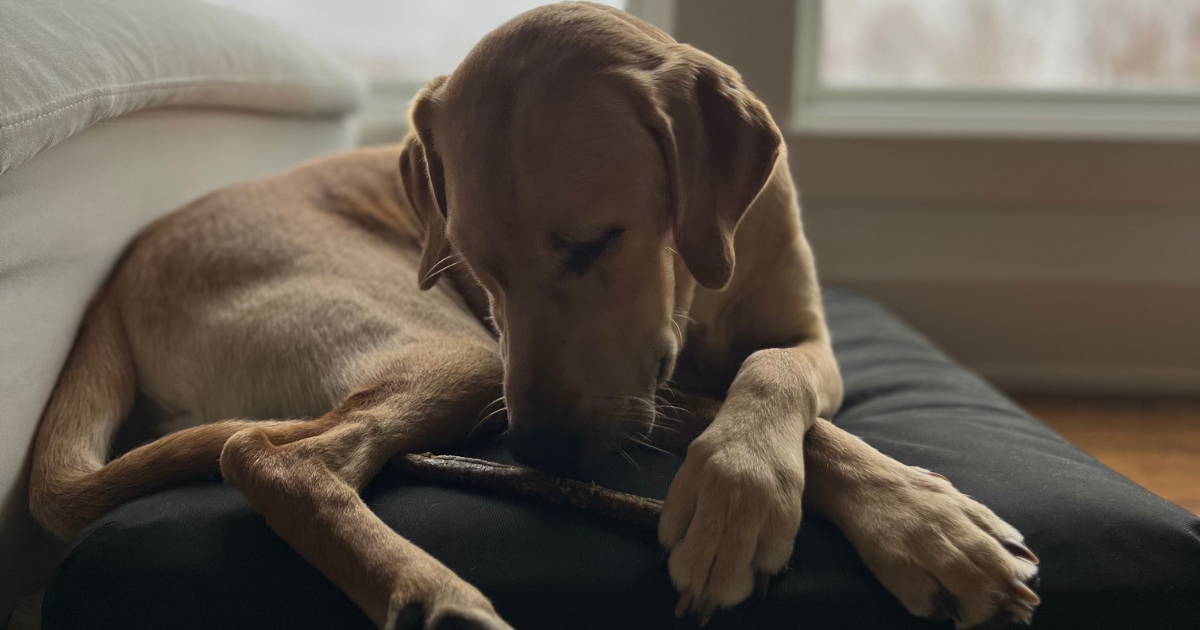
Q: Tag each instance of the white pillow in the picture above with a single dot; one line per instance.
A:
(66, 64)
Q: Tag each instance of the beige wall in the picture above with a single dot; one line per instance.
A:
(1046, 265)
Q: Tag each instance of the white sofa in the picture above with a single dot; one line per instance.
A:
(112, 113)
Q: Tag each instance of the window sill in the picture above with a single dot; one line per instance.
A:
(1071, 116)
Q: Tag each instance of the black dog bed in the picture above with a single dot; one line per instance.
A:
(1113, 555)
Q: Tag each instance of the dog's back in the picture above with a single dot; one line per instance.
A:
(234, 299)
(237, 306)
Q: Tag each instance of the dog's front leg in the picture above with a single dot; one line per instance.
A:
(942, 554)
(308, 489)
(734, 508)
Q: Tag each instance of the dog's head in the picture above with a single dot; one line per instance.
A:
(589, 171)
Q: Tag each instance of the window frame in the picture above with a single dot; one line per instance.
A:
(1066, 114)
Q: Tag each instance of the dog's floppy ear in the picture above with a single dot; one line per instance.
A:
(720, 146)
(425, 183)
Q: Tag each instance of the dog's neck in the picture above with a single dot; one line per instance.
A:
(364, 185)
(398, 214)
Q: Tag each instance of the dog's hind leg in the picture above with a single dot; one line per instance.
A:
(65, 500)
(94, 393)
(70, 484)
(308, 490)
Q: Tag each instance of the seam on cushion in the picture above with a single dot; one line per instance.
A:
(171, 84)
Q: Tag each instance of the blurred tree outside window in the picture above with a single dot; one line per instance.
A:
(1037, 45)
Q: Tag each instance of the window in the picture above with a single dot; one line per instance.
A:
(400, 44)
(1041, 67)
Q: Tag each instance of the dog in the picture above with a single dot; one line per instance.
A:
(592, 211)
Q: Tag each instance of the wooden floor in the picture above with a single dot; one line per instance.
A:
(1156, 443)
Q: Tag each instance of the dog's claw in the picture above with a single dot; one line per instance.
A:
(1022, 612)
(932, 474)
(1019, 550)
(690, 604)
(763, 584)
(1025, 594)
(685, 602)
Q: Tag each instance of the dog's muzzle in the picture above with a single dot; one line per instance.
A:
(541, 432)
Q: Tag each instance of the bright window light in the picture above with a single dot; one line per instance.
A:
(1038, 45)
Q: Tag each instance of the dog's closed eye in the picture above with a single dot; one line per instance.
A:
(579, 256)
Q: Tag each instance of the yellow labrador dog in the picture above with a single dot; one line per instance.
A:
(590, 209)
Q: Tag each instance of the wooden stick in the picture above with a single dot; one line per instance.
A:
(518, 480)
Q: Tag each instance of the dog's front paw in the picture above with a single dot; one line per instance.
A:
(729, 521)
(942, 554)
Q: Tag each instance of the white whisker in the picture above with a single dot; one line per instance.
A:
(621, 450)
(445, 268)
(680, 313)
(650, 446)
(486, 418)
(448, 257)
(678, 332)
(438, 268)
(489, 405)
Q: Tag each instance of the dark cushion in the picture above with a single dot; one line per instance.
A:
(1113, 555)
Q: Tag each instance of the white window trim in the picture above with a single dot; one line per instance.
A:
(1007, 113)
(384, 117)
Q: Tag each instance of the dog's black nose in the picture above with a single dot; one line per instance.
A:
(545, 447)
